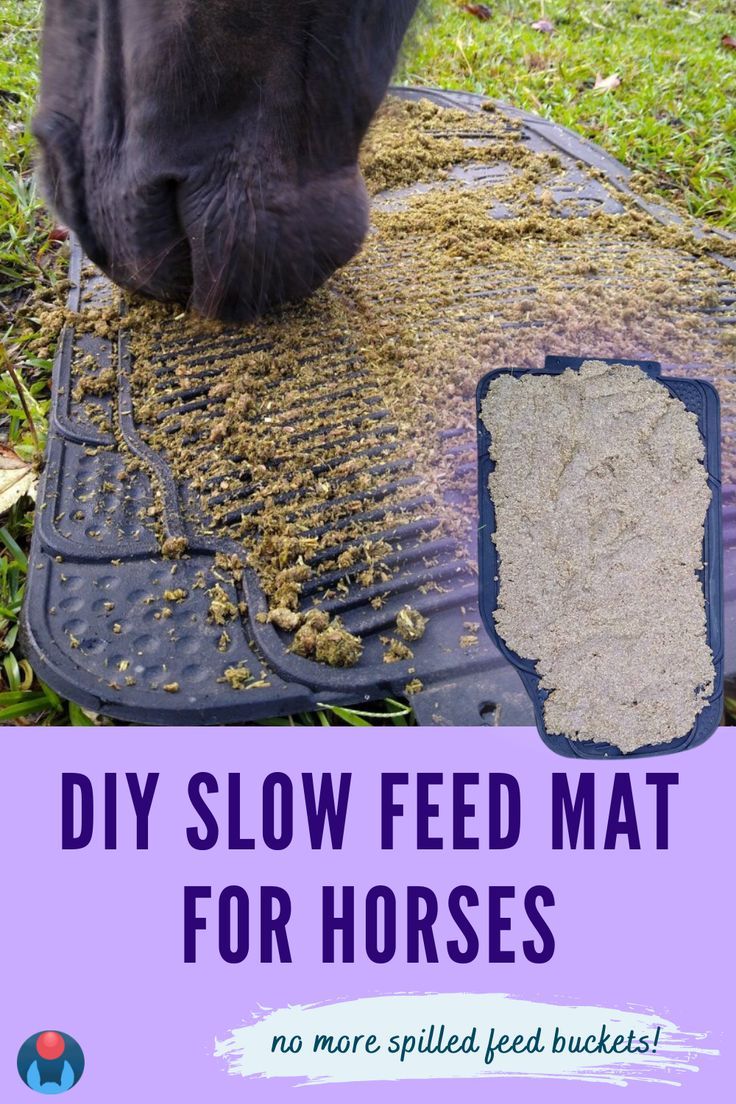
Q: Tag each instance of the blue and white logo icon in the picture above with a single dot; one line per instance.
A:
(50, 1062)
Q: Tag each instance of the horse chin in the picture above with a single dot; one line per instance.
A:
(251, 253)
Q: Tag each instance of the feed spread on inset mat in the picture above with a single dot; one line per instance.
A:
(600, 497)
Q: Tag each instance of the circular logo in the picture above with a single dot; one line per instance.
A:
(50, 1062)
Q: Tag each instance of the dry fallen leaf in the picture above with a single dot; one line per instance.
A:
(728, 42)
(606, 84)
(535, 62)
(544, 26)
(17, 478)
(480, 11)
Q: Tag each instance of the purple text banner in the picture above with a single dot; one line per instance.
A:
(307, 845)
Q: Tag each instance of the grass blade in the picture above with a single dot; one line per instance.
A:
(78, 717)
(14, 548)
(32, 703)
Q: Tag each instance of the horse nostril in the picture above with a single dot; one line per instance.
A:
(148, 249)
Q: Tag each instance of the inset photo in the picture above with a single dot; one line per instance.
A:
(600, 550)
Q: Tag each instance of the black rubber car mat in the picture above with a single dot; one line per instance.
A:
(102, 623)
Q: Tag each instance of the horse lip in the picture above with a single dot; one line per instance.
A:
(279, 250)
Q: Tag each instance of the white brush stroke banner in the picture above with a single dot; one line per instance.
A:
(249, 1050)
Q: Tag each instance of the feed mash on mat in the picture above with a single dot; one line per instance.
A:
(600, 496)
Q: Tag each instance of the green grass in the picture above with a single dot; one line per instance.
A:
(673, 117)
(24, 244)
(23, 697)
(27, 261)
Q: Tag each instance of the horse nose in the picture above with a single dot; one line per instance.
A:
(251, 251)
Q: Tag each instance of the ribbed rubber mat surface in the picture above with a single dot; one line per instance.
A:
(105, 620)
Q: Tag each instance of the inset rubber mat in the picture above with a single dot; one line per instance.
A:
(701, 399)
(115, 624)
